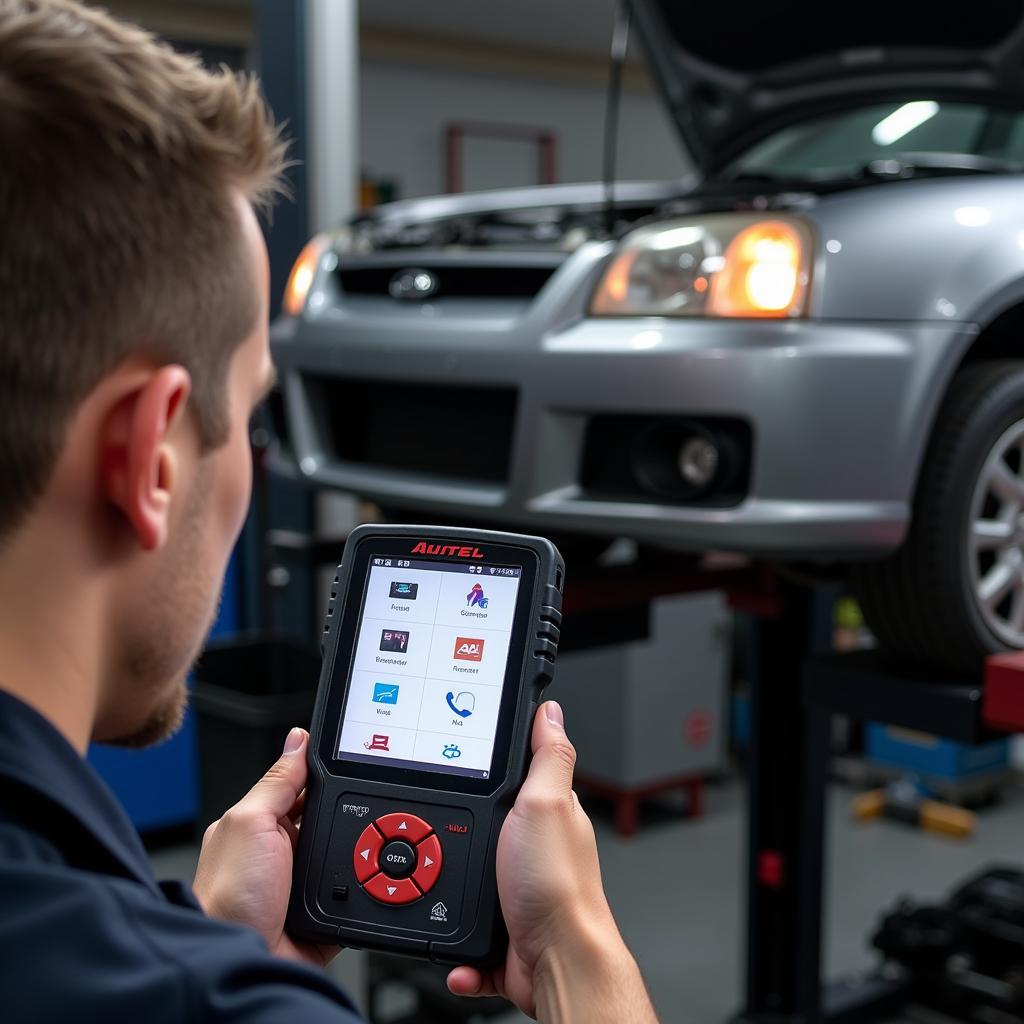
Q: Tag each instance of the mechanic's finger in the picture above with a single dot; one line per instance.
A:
(297, 808)
(468, 981)
(553, 755)
(278, 791)
(292, 829)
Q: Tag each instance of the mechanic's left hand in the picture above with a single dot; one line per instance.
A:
(244, 873)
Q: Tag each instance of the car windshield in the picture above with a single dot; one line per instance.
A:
(849, 140)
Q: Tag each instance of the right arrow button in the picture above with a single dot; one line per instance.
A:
(428, 863)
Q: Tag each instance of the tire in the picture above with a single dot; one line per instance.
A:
(924, 602)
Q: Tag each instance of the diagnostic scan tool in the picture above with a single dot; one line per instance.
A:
(437, 648)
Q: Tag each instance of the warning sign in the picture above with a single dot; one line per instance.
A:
(698, 727)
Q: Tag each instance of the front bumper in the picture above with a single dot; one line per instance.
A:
(840, 413)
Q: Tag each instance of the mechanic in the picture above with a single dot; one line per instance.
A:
(133, 350)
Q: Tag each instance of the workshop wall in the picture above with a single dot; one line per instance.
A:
(404, 111)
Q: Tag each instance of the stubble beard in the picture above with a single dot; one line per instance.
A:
(157, 659)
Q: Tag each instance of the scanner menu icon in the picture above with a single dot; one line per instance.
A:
(462, 704)
(385, 693)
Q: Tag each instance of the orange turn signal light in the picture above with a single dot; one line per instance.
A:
(614, 290)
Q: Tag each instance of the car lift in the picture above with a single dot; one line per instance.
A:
(795, 700)
(794, 697)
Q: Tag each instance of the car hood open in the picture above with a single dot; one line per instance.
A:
(733, 74)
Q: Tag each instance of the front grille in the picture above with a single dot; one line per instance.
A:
(458, 433)
(452, 281)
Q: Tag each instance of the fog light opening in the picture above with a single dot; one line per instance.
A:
(698, 461)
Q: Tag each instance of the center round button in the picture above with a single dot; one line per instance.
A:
(398, 859)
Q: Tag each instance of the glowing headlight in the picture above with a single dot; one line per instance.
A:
(303, 272)
(734, 265)
(300, 280)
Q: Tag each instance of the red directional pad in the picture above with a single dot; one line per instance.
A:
(392, 890)
(404, 826)
(428, 863)
(403, 831)
(366, 856)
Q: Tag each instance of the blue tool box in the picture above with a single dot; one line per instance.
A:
(929, 755)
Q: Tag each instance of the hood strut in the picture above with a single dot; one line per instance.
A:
(620, 45)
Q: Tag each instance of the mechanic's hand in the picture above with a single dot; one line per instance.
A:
(566, 959)
(244, 873)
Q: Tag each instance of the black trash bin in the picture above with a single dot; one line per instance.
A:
(248, 693)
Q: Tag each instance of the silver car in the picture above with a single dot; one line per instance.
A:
(811, 351)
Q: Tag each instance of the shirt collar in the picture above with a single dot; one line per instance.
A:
(38, 757)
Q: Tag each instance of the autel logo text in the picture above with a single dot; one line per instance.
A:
(452, 550)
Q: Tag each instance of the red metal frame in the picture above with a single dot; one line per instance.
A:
(457, 132)
(747, 587)
(1003, 701)
(627, 799)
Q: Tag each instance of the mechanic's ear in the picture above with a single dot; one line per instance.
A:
(140, 462)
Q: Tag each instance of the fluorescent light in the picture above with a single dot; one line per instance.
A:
(902, 121)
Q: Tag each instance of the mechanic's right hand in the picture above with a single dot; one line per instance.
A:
(566, 959)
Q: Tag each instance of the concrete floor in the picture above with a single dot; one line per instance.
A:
(676, 889)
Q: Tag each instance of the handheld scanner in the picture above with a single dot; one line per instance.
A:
(437, 647)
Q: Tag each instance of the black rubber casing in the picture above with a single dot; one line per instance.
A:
(343, 797)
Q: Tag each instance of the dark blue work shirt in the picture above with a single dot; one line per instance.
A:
(87, 934)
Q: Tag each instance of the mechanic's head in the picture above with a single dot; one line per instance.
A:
(133, 341)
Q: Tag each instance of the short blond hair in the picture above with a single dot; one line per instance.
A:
(118, 235)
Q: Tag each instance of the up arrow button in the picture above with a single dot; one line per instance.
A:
(400, 825)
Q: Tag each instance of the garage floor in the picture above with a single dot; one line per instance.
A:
(677, 893)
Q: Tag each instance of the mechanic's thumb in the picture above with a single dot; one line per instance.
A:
(278, 790)
(553, 755)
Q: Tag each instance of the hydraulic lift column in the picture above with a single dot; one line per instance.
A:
(784, 855)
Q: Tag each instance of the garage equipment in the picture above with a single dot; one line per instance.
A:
(943, 766)
(647, 716)
(965, 956)
(792, 729)
(933, 782)
(905, 800)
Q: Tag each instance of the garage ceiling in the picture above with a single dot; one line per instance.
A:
(578, 27)
(574, 26)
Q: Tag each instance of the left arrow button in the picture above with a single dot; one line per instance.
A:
(366, 859)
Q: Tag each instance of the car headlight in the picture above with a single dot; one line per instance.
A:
(303, 272)
(728, 265)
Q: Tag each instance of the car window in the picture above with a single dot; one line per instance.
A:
(1015, 140)
(852, 138)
